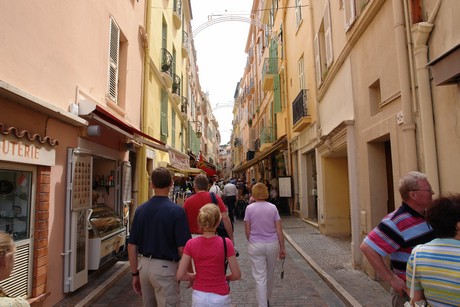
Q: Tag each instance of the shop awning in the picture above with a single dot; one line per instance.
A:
(188, 171)
(280, 143)
(98, 113)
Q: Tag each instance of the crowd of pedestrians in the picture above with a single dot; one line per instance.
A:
(169, 243)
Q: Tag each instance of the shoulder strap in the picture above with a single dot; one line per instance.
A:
(213, 198)
(225, 255)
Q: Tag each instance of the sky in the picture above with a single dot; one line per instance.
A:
(220, 54)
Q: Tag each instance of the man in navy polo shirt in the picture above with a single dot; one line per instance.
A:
(158, 235)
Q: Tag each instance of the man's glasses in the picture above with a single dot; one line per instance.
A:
(430, 190)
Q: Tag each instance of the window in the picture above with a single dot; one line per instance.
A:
(118, 48)
(164, 35)
(374, 98)
(298, 12)
(301, 74)
(352, 9)
(173, 128)
(164, 117)
(323, 47)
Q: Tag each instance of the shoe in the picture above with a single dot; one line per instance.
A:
(268, 303)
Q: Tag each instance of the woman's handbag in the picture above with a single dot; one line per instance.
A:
(421, 303)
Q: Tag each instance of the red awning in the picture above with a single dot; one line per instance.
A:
(106, 115)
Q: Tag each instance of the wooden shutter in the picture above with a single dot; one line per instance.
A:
(277, 98)
(349, 8)
(114, 48)
(328, 35)
(164, 114)
(317, 60)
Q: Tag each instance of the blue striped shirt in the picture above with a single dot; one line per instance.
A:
(397, 234)
(437, 272)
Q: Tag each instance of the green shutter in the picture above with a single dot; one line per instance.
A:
(277, 93)
(164, 115)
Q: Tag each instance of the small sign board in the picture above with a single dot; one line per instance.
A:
(285, 186)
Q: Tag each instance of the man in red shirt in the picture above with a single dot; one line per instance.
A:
(202, 197)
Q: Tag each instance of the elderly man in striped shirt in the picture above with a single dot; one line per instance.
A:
(399, 232)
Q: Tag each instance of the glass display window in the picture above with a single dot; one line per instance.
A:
(15, 202)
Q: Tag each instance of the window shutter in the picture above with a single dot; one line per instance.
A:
(328, 35)
(317, 60)
(349, 13)
(164, 114)
(173, 128)
(113, 58)
(277, 98)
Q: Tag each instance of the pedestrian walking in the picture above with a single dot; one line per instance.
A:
(399, 232)
(193, 204)
(214, 187)
(266, 242)
(158, 235)
(209, 253)
(437, 263)
(230, 192)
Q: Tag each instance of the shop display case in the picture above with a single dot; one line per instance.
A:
(107, 236)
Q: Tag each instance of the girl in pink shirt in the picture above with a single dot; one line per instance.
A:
(210, 282)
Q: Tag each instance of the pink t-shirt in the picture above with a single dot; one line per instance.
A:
(208, 256)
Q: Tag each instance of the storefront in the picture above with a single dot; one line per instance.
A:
(99, 197)
(24, 161)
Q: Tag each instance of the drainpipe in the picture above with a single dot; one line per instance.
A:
(409, 162)
(142, 156)
(420, 34)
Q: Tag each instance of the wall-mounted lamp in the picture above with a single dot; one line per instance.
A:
(198, 125)
(93, 130)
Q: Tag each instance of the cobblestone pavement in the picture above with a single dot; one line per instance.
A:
(318, 272)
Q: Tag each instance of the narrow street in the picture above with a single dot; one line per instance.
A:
(336, 284)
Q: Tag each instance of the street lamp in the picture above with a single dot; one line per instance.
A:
(198, 132)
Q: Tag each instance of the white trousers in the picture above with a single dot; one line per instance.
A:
(208, 299)
(263, 259)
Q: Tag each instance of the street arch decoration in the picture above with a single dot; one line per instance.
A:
(231, 18)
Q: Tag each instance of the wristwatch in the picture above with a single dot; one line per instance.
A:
(135, 273)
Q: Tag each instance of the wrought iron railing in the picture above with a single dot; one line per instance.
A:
(185, 42)
(166, 61)
(267, 135)
(178, 7)
(299, 106)
(184, 105)
(256, 144)
(176, 85)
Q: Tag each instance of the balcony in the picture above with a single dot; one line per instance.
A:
(251, 88)
(257, 145)
(269, 70)
(267, 137)
(251, 55)
(176, 88)
(185, 44)
(300, 116)
(177, 14)
(166, 67)
(184, 107)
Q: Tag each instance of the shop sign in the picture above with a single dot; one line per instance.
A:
(24, 151)
(179, 161)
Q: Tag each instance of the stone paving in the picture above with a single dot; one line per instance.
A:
(329, 280)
